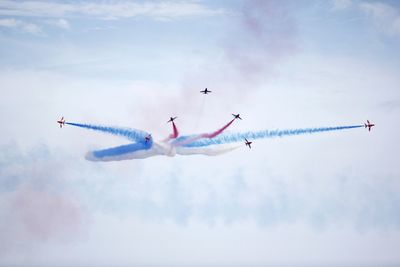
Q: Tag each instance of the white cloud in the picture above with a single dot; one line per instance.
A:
(11, 23)
(63, 24)
(386, 17)
(31, 28)
(21, 25)
(341, 4)
(108, 10)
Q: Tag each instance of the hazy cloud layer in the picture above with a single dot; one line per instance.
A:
(35, 204)
(267, 31)
(106, 10)
(12, 23)
(386, 17)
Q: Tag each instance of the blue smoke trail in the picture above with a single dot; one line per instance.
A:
(239, 137)
(131, 134)
(121, 150)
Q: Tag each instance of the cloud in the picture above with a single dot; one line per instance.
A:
(62, 23)
(268, 36)
(34, 203)
(31, 28)
(319, 201)
(385, 16)
(341, 4)
(389, 105)
(106, 10)
(10, 23)
(20, 25)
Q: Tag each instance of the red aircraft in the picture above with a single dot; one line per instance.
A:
(61, 122)
(248, 143)
(369, 125)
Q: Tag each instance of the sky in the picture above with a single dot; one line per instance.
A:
(328, 199)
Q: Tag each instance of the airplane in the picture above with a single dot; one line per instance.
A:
(61, 122)
(369, 125)
(237, 116)
(171, 119)
(147, 138)
(248, 143)
(205, 91)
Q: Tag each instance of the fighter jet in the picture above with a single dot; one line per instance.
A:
(237, 116)
(248, 143)
(205, 91)
(147, 138)
(369, 125)
(61, 122)
(171, 119)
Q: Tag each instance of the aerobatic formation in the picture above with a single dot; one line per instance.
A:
(214, 143)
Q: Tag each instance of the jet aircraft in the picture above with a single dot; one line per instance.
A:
(369, 125)
(205, 91)
(147, 138)
(237, 116)
(171, 119)
(248, 143)
(61, 122)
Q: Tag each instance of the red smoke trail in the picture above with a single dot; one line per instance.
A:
(175, 133)
(204, 135)
(217, 132)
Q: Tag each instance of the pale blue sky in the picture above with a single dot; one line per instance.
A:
(325, 199)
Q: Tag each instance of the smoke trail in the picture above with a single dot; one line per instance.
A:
(217, 132)
(131, 151)
(210, 144)
(175, 131)
(207, 151)
(131, 134)
(239, 137)
(121, 150)
(184, 140)
(174, 134)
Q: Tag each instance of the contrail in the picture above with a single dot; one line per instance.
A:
(131, 134)
(239, 137)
